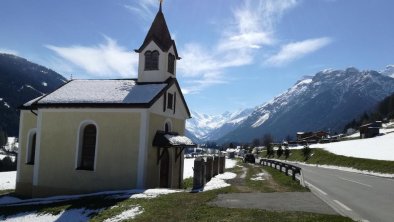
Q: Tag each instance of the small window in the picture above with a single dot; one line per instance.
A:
(31, 153)
(167, 128)
(171, 63)
(151, 60)
(170, 101)
(88, 148)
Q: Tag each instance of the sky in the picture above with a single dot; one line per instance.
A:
(236, 54)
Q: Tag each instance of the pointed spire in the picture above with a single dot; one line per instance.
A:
(159, 33)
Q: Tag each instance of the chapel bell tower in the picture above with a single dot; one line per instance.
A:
(157, 54)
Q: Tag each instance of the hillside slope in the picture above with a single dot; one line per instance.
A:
(21, 81)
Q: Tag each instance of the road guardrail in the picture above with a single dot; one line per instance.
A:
(273, 163)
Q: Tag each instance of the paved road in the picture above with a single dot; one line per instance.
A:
(358, 196)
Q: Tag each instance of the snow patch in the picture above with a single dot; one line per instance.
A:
(76, 215)
(7, 180)
(261, 120)
(126, 215)
(44, 84)
(258, 177)
(218, 181)
(6, 104)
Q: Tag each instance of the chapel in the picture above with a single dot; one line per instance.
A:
(108, 134)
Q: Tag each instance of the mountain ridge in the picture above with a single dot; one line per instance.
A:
(22, 81)
(324, 101)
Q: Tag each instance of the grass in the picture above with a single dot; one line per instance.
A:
(285, 181)
(323, 157)
(2, 192)
(185, 206)
(187, 183)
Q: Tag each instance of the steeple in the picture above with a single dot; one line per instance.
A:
(158, 53)
(159, 33)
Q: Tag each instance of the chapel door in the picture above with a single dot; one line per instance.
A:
(164, 169)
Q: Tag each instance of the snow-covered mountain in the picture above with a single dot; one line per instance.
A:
(326, 101)
(211, 127)
(388, 71)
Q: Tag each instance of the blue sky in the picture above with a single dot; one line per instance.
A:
(235, 54)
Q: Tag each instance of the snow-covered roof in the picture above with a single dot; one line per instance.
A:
(171, 139)
(102, 92)
(179, 140)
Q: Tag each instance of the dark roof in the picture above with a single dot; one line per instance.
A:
(160, 34)
(171, 139)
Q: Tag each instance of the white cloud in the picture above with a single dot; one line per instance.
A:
(104, 60)
(251, 27)
(296, 50)
(254, 24)
(8, 51)
(144, 8)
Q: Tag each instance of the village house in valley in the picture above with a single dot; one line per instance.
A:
(96, 135)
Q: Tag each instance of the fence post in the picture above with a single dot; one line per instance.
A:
(215, 165)
(222, 162)
(294, 173)
(209, 167)
(198, 173)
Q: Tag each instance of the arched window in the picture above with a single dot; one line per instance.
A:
(152, 60)
(171, 63)
(87, 148)
(167, 126)
(31, 148)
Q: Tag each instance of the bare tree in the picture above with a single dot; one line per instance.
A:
(267, 141)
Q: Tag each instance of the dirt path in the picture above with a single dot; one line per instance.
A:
(258, 190)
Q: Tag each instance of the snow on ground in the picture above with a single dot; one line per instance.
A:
(219, 181)
(145, 194)
(7, 180)
(136, 193)
(126, 215)
(80, 214)
(354, 135)
(11, 142)
(2, 156)
(189, 164)
(257, 177)
(379, 148)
